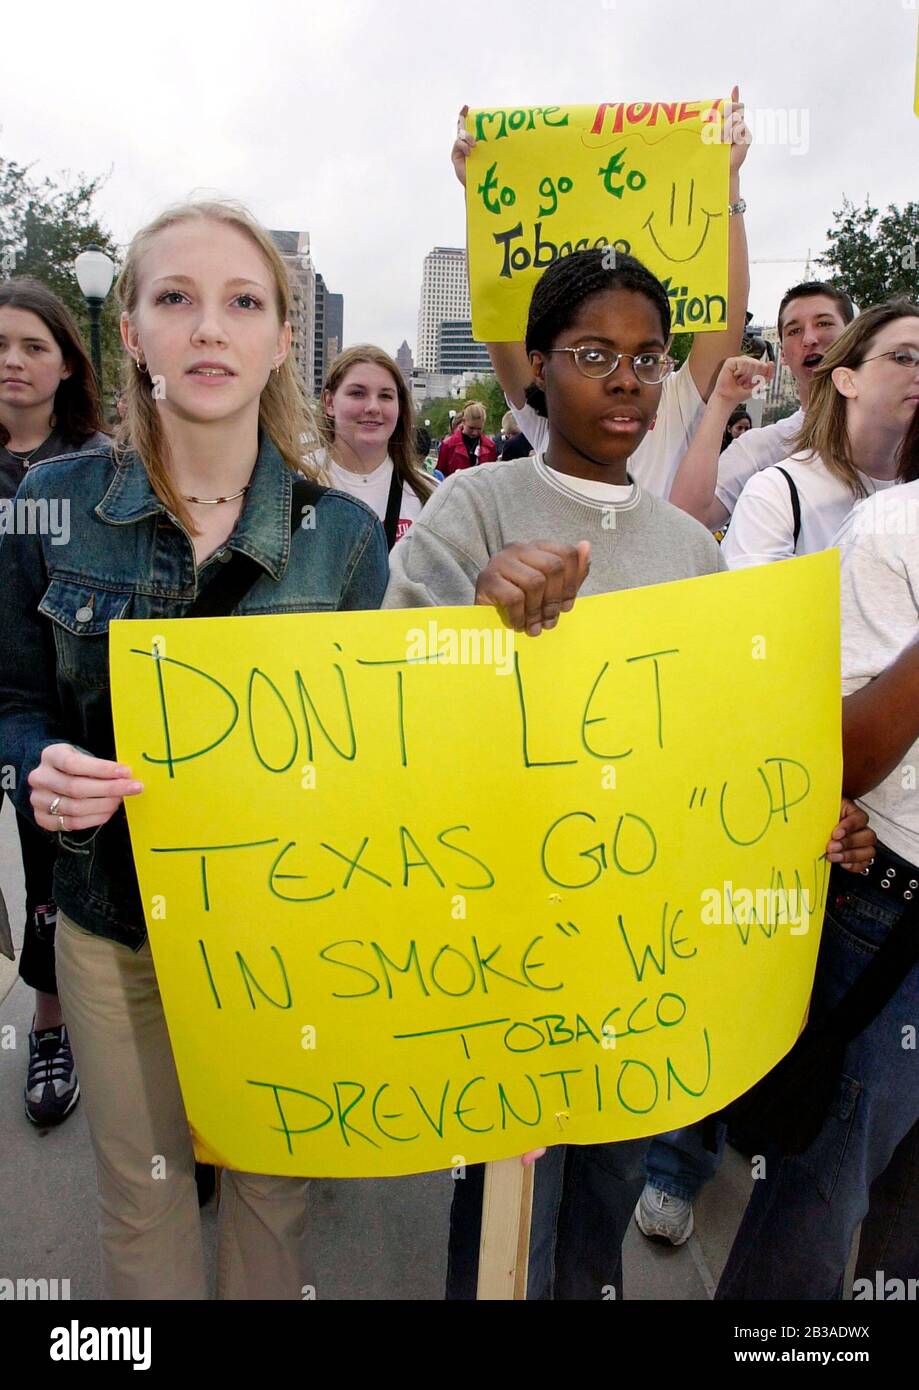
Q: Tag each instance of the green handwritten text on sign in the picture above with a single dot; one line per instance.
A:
(421, 893)
(650, 178)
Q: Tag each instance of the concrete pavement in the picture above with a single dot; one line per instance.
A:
(369, 1239)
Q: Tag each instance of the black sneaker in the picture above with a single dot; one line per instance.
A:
(52, 1088)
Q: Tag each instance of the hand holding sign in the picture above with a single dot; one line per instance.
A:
(736, 131)
(587, 909)
(462, 146)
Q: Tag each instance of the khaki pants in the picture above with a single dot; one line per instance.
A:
(149, 1225)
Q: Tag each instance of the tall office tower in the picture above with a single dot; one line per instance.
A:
(444, 295)
(295, 253)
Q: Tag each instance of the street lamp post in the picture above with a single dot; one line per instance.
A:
(95, 272)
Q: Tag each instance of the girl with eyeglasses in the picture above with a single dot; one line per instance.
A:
(598, 340)
(862, 398)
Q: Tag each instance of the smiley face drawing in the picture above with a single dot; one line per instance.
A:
(682, 212)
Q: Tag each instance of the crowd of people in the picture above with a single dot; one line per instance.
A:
(186, 509)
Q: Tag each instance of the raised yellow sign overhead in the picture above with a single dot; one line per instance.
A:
(648, 177)
(421, 894)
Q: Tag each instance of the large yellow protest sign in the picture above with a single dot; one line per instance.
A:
(650, 178)
(419, 893)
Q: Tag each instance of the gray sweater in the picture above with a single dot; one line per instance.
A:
(471, 516)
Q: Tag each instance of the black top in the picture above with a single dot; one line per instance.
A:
(14, 466)
(517, 447)
(471, 442)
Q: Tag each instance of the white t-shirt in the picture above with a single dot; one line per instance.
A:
(621, 495)
(658, 456)
(879, 594)
(754, 450)
(373, 489)
(762, 528)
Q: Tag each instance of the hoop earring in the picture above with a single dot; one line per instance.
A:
(141, 366)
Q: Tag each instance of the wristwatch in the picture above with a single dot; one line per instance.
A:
(734, 208)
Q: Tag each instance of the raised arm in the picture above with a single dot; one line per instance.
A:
(510, 361)
(694, 485)
(710, 349)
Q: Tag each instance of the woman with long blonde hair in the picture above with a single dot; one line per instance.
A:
(194, 512)
(857, 415)
(367, 433)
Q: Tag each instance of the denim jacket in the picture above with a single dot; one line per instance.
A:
(126, 557)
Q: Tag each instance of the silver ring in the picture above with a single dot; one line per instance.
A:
(61, 822)
(52, 809)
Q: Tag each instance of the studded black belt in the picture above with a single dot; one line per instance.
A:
(890, 873)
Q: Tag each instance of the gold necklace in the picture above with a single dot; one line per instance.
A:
(213, 501)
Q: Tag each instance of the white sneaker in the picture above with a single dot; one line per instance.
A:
(662, 1218)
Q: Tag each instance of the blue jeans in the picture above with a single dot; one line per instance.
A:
(680, 1164)
(583, 1199)
(796, 1235)
(888, 1240)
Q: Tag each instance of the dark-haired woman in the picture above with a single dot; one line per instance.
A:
(49, 405)
(598, 341)
(738, 423)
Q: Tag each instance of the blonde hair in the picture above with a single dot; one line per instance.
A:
(509, 423)
(825, 431)
(285, 415)
(475, 408)
(402, 441)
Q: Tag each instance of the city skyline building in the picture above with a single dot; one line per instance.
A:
(294, 247)
(444, 296)
(458, 351)
(405, 362)
(327, 333)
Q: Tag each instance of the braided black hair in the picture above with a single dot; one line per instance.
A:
(568, 282)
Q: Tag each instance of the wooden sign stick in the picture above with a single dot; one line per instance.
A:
(505, 1244)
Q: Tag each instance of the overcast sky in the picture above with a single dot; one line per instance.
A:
(338, 118)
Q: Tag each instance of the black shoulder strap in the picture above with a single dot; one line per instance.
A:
(227, 589)
(393, 504)
(795, 502)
